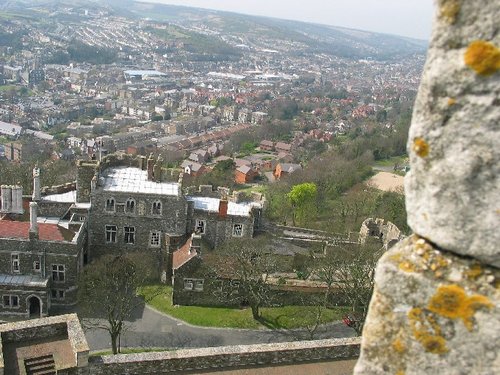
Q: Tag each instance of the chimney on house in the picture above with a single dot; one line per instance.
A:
(17, 200)
(6, 198)
(223, 205)
(142, 163)
(36, 184)
(157, 169)
(33, 234)
(150, 166)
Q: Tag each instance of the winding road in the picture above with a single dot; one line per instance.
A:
(151, 328)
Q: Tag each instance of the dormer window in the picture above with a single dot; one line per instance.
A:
(156, 208)
(130, 206)
(110, 204)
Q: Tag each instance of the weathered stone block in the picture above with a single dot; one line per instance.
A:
(432, 313)
(453, 187)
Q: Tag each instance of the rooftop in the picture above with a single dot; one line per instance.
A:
(134, 180)
(212, 205)
(24, 280)
(46, 232)
(68, 197)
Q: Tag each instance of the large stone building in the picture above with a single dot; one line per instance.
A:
(118, 205)
(40, 256)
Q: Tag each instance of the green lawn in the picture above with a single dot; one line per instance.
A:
(390, 162)
(273, 317)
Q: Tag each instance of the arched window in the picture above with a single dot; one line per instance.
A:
(156, 208)
(130, 205)
(110, 204)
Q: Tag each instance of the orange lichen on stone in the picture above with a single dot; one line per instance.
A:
(426, 331)
(483, 57)
(474, 271)
(407, 266)
(452, 302)
(451, 101)
(400, 372)
(399, 346)
(421, 147)
(449, 10)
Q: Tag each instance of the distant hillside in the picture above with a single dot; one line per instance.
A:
(312, 37)
(242, 30)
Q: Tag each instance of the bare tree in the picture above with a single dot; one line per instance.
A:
(349, 271)
(107, 288)
(247, 263)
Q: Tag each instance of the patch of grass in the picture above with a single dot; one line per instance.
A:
(287, 317)
(390, 162)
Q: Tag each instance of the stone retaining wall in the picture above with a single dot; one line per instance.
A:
(219, 358)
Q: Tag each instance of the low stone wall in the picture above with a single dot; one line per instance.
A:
(219, 358)
(38, 332)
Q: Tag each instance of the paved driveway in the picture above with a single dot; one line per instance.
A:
(154, 329)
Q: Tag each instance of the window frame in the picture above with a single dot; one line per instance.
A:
(58, 294)
(39, 268)
(15, 262)
(203, 227)
(110, 234)
(129, 235)
(57, 272)
(10, 298)
(152, 235)
(237, 232)
(110, 205)
(130, 206)
(156, 208)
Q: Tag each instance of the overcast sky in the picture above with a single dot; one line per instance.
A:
(401, 17)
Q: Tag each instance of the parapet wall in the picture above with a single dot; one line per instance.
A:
(218, 358)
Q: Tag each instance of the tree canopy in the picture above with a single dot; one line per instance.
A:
(303, 200)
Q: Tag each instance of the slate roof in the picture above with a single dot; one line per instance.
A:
(23, 280)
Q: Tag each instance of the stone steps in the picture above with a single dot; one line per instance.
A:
(43, 365)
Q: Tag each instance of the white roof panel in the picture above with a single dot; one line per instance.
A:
(135, 180)
(68, 197)
(212, 205)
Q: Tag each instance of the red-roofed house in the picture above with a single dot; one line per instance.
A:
(244, 174)
(39, 264)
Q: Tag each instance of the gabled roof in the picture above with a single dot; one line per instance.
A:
(46, 232)
(183, 255)
(245, 169)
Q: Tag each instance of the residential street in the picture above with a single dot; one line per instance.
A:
(154, 329)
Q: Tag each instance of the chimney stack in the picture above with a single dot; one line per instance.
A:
(142, 163)
(36, 184)
(33, 234)
(150, 166)
(6, 197)
(157, 169)
(223, 205)
(17, 200)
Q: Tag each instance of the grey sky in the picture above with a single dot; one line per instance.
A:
(401, 17)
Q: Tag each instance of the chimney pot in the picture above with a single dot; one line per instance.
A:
(223, 206)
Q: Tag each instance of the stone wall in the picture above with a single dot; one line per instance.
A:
(218, 358)
(172, 220)
(436, 303)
